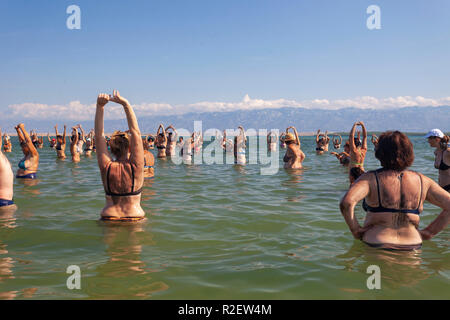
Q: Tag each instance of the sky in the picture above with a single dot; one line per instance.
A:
(173, 57)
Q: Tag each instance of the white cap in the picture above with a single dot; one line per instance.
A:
(435, 133)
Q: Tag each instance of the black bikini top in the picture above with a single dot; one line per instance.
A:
(108, 191)
(442, 165)
(380, 208)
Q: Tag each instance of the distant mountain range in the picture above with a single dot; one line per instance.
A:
(409, 119)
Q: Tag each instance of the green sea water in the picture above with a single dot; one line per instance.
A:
(213, 232)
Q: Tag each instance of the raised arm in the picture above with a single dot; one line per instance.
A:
(297, 139)
(136, 147)
(83, 137)
(317, 135)
(27, 140)
(364, 132)
(103, 157)
(351, 137)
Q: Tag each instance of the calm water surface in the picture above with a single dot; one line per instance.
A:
(214, 232)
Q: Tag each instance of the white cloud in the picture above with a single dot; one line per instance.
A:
(75, 110)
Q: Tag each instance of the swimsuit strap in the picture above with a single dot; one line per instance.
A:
(421, 190)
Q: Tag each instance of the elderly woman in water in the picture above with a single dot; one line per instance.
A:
(437, 139)
(393, 198)
(6, 182)
(357, 152)
(322, 141)
(29, 165)
(122, 176)
(294, 155)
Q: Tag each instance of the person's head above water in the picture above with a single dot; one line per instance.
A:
(289, 138)
(119, 143)
(394, 150)
(357, 142)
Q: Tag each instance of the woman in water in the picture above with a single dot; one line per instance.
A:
(198, 142)
(438, 140)
(322, 141)
(89, 144)
(240, 144)
(282, 142)
(294, 155)
(151, 141)
(393, 199)
(149, 161)
(357, 152)
(52, 142)
(6, 182)
(60, 144)
(74, 145)
(343, 157)
(272, 138)
(161, 141)
(123, 177)
(171, 140)
(7, 145)
(29, 165)
(337, 141)
(374, 140)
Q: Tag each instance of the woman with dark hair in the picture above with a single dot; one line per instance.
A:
(272, 138)
(343, 157)
(393, 199)
(123, 177)
(282, 143)
(437, 139)
(357, 152)
(89, 148)
(6, 182)
(172, 137)
(29, 165)
(240, 144)
(74, 145)
(337, 141)
(294, 155)
(149, 161)
(322, 141)
(60, 144)
(161, 141)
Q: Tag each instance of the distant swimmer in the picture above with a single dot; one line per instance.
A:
(187, 147)
(29, 164)
(7, 145)
(272, 139)
(227, 144)
(358, 152)
(322, 141)
(6, 182)
(344, 157)
(161, 141)
(437, 139)
(60, 144)
(282, 142)
(123, 176)
(294, 155)
(149, 161)
(151, 141)
(172, 137)
(240, 145)
(393, 198)
(74, 151)
(337, 141)
(51, 142)
(81, 139)
(198, 142)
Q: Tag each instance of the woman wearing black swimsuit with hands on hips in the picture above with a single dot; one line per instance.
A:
(123, 177)
(393, 198)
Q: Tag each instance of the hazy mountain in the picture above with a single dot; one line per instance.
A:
(410, 119)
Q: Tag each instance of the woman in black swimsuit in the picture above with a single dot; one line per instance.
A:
(393, 198)
(437, 139)
(161, 141)
(123, 177)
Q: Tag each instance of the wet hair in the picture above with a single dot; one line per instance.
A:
(357, 142)
(394, 150)
(356, 172)
(119, 143)
(443, 144)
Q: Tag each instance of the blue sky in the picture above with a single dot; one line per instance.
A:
(185, 52)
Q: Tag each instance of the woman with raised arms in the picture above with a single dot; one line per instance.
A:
(74, 145)
(172, 137)
(294, 155)
(123, 176)
(240, 144)
(393, 198)
(7, 145)
(322, 141)
(161, 141)
(337, 141)
(29, 165)
(272, 138)
(358, 152)
(60, 144)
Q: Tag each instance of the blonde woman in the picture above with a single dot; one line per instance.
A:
(294, 155)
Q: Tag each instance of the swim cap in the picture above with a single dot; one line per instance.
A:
(435, 133)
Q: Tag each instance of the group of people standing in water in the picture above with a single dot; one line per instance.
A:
(392, 196)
